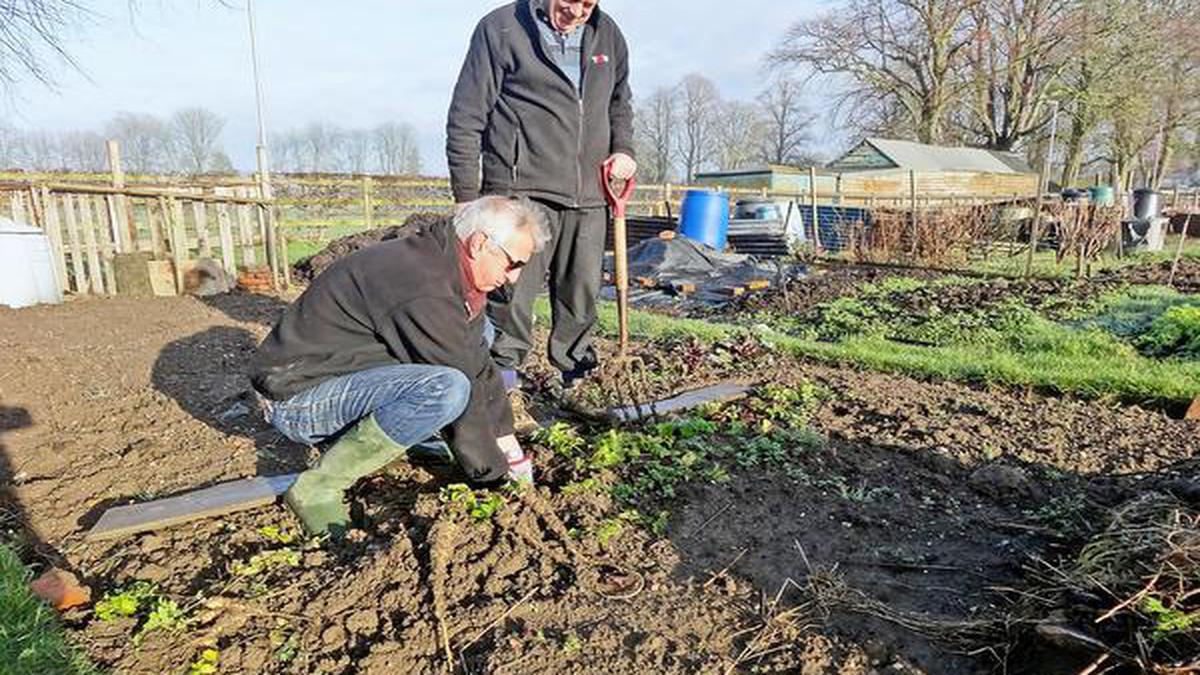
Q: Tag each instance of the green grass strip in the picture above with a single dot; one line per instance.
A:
(1064, 361)
(32, 641)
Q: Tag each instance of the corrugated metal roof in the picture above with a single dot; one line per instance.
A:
(922, 157)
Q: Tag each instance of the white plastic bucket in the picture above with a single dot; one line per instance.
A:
(26, 266)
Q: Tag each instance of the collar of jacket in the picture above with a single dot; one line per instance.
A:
(448, 241)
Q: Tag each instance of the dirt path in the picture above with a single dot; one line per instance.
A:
(928, 497)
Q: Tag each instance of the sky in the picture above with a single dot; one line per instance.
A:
(355, 63)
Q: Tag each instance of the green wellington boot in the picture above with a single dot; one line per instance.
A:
(316, 496)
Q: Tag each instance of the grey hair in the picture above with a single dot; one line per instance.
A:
(501, 217)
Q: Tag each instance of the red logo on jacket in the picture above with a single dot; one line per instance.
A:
(600, 59)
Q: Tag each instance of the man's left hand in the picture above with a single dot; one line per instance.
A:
(520, 465)
(623, 166)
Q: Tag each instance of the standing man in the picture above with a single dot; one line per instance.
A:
(388, 346)
(542, 100)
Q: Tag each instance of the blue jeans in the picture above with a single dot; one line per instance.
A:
(411, 402)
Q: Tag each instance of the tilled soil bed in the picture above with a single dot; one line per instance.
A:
(929, 499)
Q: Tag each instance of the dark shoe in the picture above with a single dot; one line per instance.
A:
(523, 421)
(433, 452)
(570, 378)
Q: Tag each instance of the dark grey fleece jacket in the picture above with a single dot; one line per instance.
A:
(534, 132)
(399, 301)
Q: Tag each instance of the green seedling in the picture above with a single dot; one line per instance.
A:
(279, 535)
(166, 615)
(480, 509)
(1169, 621)
(267, 561)
(571, 644)
(125, 602)
(560, 438)
(587, 486)
(284, 642)
(206, 663)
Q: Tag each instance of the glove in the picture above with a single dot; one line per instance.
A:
(520, 465)
(623, 166)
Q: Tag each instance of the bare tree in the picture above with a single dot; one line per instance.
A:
(787, 121)
(82, 151)
(31, 34)
(654, 131)
(287, 151)
(739, 133)
(698, 113)
(1016, 55)
(11, 147)
(896, 56)
(396, 150)
(197, 133)
(353, 148)
(43, 151)
(145, 142)
(317, 142)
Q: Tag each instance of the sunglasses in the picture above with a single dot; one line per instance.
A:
(513, 263)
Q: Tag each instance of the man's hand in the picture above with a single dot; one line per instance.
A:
(520, 465)
(623, 166)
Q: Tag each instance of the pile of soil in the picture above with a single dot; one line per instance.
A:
(306, 270)
(928, 497)
(1187, 277)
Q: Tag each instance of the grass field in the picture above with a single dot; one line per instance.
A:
(31, 637)
(1104, 350)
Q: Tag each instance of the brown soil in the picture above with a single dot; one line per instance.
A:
(1187, 276)
(306, 270)
(929, 497)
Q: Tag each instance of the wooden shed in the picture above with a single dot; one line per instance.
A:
(776, 178)
(882, 166)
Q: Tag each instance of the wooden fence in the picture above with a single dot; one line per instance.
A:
(89, 225)
(91, 218)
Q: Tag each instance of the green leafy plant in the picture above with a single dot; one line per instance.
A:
(1176, 332)
(206, 663)
(571, 644)
(166, 614)
(277, 534)
(266, 561)
(478, 508)
(787, 406)
(560, 438)
(1168, 621)
(126, 601)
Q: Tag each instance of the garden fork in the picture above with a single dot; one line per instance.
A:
(628, 373)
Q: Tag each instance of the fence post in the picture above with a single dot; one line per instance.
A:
(266, 216)
(366, 202)
(912, 205)
(124, 230)
(54, 232)
(812, 195)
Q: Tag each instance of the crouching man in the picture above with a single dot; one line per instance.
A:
(388, 346)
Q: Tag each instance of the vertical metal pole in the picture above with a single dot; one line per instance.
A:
(266, 213)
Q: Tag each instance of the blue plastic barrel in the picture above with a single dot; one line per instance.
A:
(704, 217)
(1101, 195)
